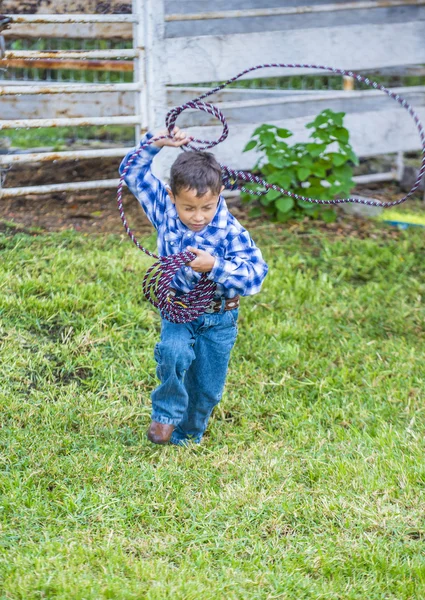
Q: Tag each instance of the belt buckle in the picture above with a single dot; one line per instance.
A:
(212, 307)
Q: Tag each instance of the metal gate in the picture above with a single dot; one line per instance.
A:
(142, 19)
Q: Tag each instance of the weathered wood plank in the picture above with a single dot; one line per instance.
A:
(82, 31)
(239, 106)
(65, 6)
(270, 109)
(124, 6)
(107, 104)
(371, 16)
(381, 15)
(214, 58)
(179, 95)
(63, 64)
(107, 31)
(193, 6)
(371, 133)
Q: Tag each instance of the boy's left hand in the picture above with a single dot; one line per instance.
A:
(204, 261)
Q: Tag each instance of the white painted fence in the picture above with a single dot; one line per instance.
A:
(182, 43)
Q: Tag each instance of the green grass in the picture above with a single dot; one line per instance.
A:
(59, 138)
(310, 481)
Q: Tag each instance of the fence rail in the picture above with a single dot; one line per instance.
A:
(59, 187)
(123, 66)
(70, 88)
(73, 18)
(66, 54)
(67, 122)
(291, 10)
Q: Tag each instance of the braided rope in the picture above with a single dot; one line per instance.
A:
(157, 281)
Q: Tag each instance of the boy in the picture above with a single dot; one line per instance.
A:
(192, 358)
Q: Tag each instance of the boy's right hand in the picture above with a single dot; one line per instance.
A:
(180, 138)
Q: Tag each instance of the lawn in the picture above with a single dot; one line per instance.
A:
(310, 481)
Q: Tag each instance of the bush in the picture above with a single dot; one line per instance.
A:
(320, 169)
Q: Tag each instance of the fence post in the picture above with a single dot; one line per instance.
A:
(139, 75)
(151, 65)
(347, 83)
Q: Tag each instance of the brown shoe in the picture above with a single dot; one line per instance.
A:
(159, 433)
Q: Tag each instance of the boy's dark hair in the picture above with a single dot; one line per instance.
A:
(195, 170)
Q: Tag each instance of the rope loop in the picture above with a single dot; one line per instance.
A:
(158, 279)
(196, 144)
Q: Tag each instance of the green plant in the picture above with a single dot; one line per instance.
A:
(319, 169)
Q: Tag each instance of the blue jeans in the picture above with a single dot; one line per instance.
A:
(192, 360)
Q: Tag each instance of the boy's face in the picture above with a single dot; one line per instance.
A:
(195, 212)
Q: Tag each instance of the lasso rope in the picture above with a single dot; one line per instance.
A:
(157, 281)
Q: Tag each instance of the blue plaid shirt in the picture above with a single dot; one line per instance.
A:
(239, 266)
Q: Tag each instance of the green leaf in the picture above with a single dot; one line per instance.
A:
(264, 127)
(267, 138)
(268, 171)
(319, 120)
(338, 118)
(328, 215)
(320, 171)
(351, 154)
(316, 192)
(281, 178)
(315, 149)
(338, 159)
(250, 145)
(306, 205)
(347, 186)
(306, 161)
(277, 160)
(265, 201)
(273, 194)
(341, 134)
(342, 173)
(322, 135)
(303, 173)
(282, 217)
(255, 212)
(283, 133)
(285, 204)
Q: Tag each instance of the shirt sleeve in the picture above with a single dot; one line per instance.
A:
(148, 189)
(242, 268)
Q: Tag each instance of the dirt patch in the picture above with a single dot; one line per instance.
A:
(87, 211)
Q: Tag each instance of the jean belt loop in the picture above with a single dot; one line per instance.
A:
(223, 304)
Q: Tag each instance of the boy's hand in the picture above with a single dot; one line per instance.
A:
(180, 138)
(204, 261)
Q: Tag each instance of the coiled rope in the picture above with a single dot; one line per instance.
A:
(158, 278)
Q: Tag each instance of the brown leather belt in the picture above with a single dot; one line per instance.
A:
(229, 304)
(215, 306)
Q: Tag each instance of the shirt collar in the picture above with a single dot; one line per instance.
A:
(219, 220)
(221, 214)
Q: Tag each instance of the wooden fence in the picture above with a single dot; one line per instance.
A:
(179, 43)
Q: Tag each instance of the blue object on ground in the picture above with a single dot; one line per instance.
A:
(403, 224)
